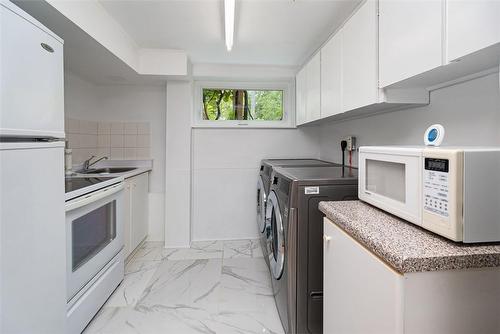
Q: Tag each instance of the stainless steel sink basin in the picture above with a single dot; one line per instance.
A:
(108, 170)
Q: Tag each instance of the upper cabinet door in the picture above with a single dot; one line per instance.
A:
(472, 26)
(313, 69)
(331, 76)
(359, 58)
(31, 79)
(410, 38)
(301, 96)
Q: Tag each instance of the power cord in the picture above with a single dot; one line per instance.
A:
(343, 146)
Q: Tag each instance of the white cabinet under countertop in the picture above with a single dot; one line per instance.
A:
(363, 294)
(136, 211)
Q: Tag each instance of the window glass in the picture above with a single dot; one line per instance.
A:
(242, 104)
(92, 232)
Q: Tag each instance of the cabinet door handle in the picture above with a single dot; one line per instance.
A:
(47, 47)
(327, 238)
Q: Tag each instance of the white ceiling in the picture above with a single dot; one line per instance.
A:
(271, 32)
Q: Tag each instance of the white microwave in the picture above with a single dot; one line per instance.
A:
(452, 191)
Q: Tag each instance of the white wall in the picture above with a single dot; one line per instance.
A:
(211, 174)
(470, 113)
(225, 174)
(178, 165)
(87, 101)
(220, 166)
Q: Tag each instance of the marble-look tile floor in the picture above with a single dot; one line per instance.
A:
(214, 287)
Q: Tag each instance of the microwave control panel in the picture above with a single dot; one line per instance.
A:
(436, 186)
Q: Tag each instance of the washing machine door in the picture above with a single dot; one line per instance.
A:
(261, 206)
(276, 238)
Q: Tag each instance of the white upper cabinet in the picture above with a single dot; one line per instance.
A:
(410, 38)
(331, 76)
(359, 58)
(389, 53)
(301, 95)
(308, 91)
(313, 101)
(472, 26)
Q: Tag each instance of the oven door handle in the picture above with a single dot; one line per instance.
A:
(106, 192)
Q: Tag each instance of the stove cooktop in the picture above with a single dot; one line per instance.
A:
(75, 183)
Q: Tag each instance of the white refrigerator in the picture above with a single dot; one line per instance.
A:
(32, 218)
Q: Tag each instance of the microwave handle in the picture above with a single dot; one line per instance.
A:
(94, 197)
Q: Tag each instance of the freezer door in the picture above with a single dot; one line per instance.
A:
(32, 238)
(31, 76)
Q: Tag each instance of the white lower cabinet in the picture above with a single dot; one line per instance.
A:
(136, 211)
(362, 294)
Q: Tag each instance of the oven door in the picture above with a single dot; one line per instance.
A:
(390, 179)
(94, 235)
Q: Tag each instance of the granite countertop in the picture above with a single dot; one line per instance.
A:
(404, 246)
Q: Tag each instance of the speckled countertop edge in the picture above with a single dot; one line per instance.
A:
(404, 246)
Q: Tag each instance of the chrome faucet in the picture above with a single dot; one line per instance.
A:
(87, 164)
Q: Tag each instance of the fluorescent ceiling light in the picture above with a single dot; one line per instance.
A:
(229, 6)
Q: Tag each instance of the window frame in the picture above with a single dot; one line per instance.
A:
(287, 87)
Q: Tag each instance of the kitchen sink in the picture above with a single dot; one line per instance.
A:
(108, 170)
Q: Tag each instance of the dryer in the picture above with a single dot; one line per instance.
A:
(295, 239)
(263, 185)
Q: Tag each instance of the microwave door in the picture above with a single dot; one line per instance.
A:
(392, 183)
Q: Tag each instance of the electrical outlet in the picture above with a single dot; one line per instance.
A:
(351, 143)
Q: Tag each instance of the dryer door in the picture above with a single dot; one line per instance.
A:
(261, 206)
(276, 237)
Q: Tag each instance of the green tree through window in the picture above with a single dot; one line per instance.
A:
(240, 104)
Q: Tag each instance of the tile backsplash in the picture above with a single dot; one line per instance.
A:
(116, 140)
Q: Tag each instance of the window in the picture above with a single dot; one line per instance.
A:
(242, 104)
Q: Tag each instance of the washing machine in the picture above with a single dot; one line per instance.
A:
(263, 185)
(296, 239)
